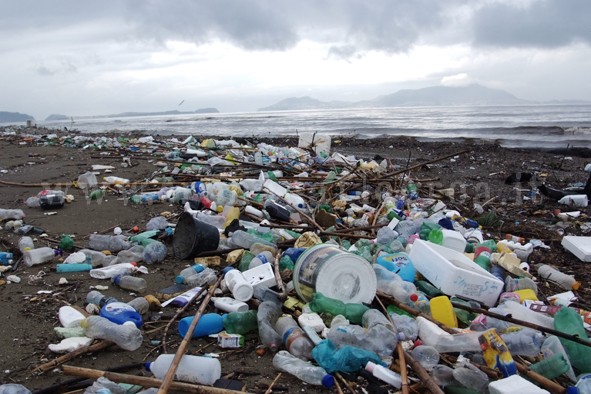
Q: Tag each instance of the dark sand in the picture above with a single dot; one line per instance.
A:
(478, 175)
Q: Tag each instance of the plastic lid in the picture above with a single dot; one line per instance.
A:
(179, 280)
(414, 297)
(576, 285)
(148, 365)
(369, 367)
(328, 381)
(116, 279)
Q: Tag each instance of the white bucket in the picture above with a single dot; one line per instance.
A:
(335, 273)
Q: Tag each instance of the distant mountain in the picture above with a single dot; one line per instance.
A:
(306, 102)
(56, 117)
(6, 117)
(173, 112)
(430, 96)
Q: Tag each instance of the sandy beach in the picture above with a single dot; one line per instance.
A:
(477, 173)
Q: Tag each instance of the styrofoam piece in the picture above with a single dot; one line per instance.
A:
(579, 246)
(261, 276)
(454, 273)
(514, 384)
(454, 240)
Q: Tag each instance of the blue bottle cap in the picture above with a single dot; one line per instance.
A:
(328, 381)
(116, 279)
(198, 268)
(148, 366)
(179, 280)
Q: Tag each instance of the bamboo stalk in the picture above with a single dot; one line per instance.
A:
(69, 356)
(144, 381)
(270, 389)
(181, 311)
(185, 342)
(278, 278)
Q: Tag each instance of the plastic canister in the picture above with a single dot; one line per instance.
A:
(209, 323)
(120, 312)
(335, 273)
(442, 311)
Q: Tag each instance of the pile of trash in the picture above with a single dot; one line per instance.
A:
(338, 267)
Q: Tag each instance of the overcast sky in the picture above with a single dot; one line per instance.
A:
(78, 57)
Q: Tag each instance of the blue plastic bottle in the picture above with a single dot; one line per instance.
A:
(120, 312)
(78, 267)
(209, 323)
(6, 258)
(400, 264)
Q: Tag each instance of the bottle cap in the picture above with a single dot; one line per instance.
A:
(148, 365)
(116, 279)
(179, 280)
(328, 381)
(369, 367)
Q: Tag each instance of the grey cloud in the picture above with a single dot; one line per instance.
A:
(543, 24)
(42, 70)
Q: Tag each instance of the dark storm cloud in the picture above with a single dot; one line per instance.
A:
(543, 24)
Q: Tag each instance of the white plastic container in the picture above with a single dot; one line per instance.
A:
(514, 384)
(384, 374)
(111, 271)
(454, 240)
(40, 255)
(192, 369)
(238, 285)
(312, 320)
(274, 187)
(579, 246)
(454, 273)
(228, 304)
(575, 200)
(70, 317)
(260, 276)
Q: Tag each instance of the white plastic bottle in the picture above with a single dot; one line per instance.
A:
(40, 255)
(70, 317)
(113, 270)
(237, 284)
(303, 370)
(25, 243)
(132, 283)
(567, 282)
(229, 304)
(127, 336)
(293, 337)
(191, 369)
(384, 374)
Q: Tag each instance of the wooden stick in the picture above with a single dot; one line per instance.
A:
(278, 278)
(391, 174)
(69, 356)
(423, 374)
(270, 389)
(144, 381)
(185, 342)
(181, 311)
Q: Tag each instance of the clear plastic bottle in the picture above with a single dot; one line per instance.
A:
(524, 342)
(97, 258)
(112, 243)
(379, 339)
(132, 283)
(392, 284)
(303, 370)
(127, 336)
(113, 270)
(406, 326)
(384, 374)
(40, 255)
(25, 243)
(267, 315)
(245, 240)
(133, 254)
(567, 282)
(471, 377)
(427, 356)
(191, 369)
(155, 252)
(204, 278)
(552, 346)
(293, 337)
(97, 298)
(189, 271)
(49, 199)
(265, 257)
(140, 304)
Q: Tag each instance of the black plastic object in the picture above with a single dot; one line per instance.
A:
(192, 237)
(277, 211)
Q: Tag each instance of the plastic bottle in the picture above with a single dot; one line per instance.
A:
(132, 283)
(189, 271)
(229, 304)
(392, 284)
(120, 312)
(245, 240)
(567, 282)
(25, 243)
(303, 370)
(482, 257)
(568, 321)
(114, 180)
(40, 255)
(127, 336)
(70, 317)
(14, 214)
(113, 270)
(155, 252)
(265, 257)
(552, 346)
(293, 338)
(267, 315)
(97, 298)
(427, 356)
(73, 267)
(209, 323)
(522, 251)
(140, 304)
(384, 374)
(524, 342)
(400, 264)
(192, 369)
(240, 322)
(379, 339)
(353, 312)
(49, 199)
(112, 243)
(237, 284)
(97, 258)
(552, 367)
(471, 377)
(295, 200)
(406, 326)
(205, 278)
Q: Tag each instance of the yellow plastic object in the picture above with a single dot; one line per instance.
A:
(442, 311)
(526, 294)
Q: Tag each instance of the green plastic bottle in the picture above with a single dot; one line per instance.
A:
(144, 238)
(66, 243)
(482, 257)
(568, 321)
(322, 304)
(240, 322)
